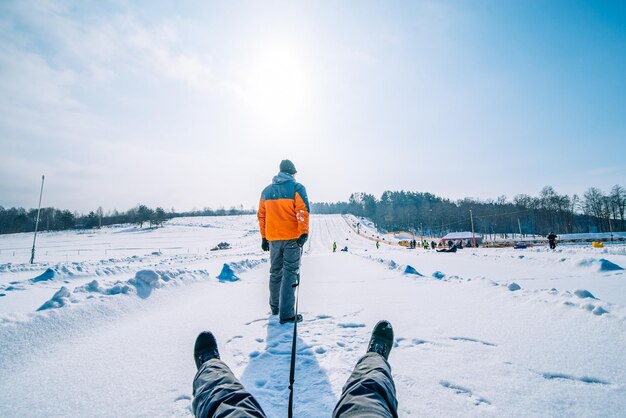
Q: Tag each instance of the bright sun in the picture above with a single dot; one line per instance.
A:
(278, 85)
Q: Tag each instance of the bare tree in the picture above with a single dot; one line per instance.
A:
(618, 205)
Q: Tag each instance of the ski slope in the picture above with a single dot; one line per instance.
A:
(467, 342)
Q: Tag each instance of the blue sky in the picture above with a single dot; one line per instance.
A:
(195, 104)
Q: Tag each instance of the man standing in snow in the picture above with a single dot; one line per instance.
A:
(552, 240)
(284, 223)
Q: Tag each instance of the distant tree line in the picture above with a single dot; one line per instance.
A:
(14, 220)
(427, 214)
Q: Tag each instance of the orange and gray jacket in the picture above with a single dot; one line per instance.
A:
(283, 209)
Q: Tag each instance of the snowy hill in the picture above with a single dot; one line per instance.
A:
(104, 323)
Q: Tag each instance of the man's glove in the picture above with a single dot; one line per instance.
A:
(302, 239)
(265, 245)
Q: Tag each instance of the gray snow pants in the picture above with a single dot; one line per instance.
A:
(369, 392)
(284, 273)
(217, 393)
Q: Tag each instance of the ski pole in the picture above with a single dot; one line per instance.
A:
(292, 368)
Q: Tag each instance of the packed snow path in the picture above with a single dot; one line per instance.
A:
(468, 343)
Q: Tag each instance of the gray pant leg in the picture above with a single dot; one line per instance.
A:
(276, 272)
(291, 275)
(218, 393)
(370, 391)
(284, 273)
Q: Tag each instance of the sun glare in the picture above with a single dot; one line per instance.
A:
(278, 85)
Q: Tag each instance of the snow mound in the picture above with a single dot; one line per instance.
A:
(606, 265)
(513, 287)
(411, 270)
(601, 264)
(118, 288)
(45, 276)
(60, 299)
(599, 311)
(94, 287)
(148, 277)
(583, 294)
(391, 265)
(227, 274)
(145, 281)
(438, 275)
(243, 265)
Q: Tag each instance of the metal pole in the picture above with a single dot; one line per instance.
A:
(292, 366)
(473, 237)
(32, 253)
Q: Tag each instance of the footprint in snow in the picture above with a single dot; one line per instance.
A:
(583, 379)
(182, 405)
(460, 390)
(473, 340)
(350, 325)
(256, 320)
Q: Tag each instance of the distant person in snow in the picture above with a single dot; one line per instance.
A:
(334, 246)
(369, 391)
(377, 244)
(552, 240)
(448, 250)
(433, 245)
(284, 223)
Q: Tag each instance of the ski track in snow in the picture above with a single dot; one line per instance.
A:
(472, 328)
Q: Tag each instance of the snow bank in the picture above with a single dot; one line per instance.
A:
(95, 287)
(391, 264)
(60, 298)
(244, 265)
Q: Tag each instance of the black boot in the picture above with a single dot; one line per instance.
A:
(205, 348)
(297, 318)
(382, 339)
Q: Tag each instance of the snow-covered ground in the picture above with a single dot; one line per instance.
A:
(104, 323)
